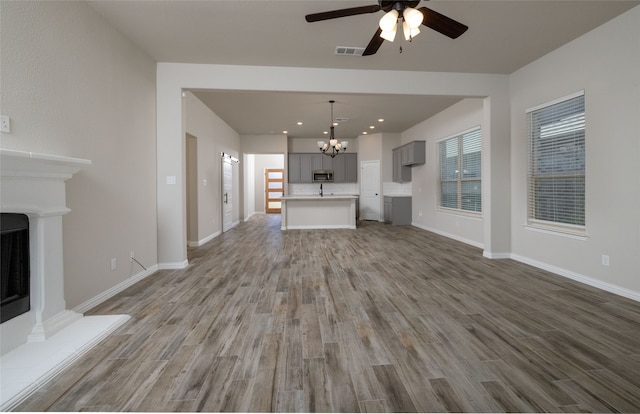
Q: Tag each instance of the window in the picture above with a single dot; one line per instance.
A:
(556, 182)
(460, 172)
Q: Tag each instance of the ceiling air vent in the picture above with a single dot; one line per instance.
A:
(349, 51)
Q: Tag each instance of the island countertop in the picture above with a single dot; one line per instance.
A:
(319, 197)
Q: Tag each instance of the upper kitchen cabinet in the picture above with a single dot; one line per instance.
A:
(345, 168)
(401, 173)
(301, 166)
(406, 156)
(413, 153)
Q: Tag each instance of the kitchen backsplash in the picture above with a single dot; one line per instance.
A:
(327, 188)
(393, 188)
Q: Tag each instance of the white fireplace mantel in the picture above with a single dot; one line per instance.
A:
(40, 343)
(34, 184)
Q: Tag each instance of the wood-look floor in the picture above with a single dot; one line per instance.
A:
(380, 318)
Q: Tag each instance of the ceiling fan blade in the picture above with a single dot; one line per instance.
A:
(334, 14)
(374, 44)
(441, 23)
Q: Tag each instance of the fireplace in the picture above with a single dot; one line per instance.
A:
(32, 203)
(46, 337)
(14, 266)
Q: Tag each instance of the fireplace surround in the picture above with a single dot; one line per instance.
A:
(47, 338)
(33, 185)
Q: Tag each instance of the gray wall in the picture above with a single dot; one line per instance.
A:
(73, 86)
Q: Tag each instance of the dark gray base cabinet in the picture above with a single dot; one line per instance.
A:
(397, 210)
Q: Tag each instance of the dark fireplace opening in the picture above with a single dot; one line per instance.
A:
(14, 265)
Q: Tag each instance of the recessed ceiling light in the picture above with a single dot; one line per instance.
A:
(381, 120)
(285, 132)
(364, 132)
(299, 122)
(371, 127)
(325, 132)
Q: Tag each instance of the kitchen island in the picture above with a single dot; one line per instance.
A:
(319, 212)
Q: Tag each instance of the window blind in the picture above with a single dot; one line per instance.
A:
(556, 182)
(460, 171)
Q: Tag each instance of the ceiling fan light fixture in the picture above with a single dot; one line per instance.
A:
(412, 17)
(409, 33)
(389, 21)
(389, 35)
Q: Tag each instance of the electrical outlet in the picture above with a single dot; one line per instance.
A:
(5, 123)
(605, 260)
(131, 255)
(114, 263)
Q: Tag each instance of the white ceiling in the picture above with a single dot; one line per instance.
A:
(503, 36)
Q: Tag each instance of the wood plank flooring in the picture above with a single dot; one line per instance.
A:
(380, 318)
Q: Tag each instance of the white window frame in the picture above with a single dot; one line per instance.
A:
(532, 221)
(460, 178)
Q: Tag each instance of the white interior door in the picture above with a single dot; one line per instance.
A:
(227, 194)
(370, 190)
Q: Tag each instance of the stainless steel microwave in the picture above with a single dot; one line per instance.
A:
(322, 176)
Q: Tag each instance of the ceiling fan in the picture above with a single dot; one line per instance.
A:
(412, 19)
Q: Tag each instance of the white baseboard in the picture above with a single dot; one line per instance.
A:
(96, 300)
(205, 240)
(449, 235)
(492, 255)
(173, 265)
(609, 287)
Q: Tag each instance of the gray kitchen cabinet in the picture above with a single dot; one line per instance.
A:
(397, 210)
(326, 162)
(413, 153)
(401, 173)
(294, 168)
(301, 166)
(345, 168)
(406, 156)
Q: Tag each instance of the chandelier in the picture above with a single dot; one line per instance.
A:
(411, 21)
(334, 147)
